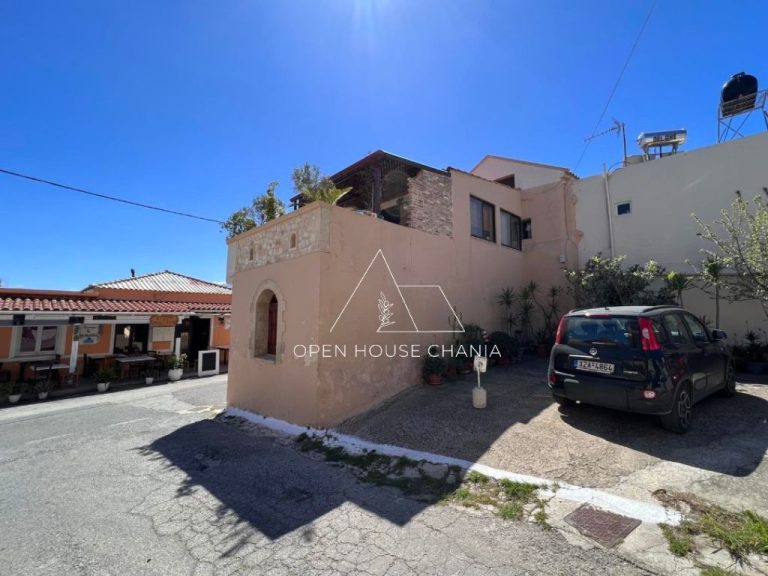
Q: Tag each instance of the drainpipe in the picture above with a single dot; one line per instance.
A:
(608, 204)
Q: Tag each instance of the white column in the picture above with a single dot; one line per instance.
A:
(177, 341)
(75, 346)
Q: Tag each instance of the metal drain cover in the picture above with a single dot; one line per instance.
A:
(604, 527)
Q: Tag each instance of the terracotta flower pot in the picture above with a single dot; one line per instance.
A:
(434, 379)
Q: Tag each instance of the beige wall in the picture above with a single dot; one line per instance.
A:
(527, 174)
(314, 287)
(663, 194)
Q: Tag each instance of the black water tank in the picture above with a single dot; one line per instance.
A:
(739, 94)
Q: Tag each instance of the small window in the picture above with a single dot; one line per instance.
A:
(38, 339)
(510, 230)
(507, 180)
(527, 229)
(483, 220)
(623, 208)
(293, 240)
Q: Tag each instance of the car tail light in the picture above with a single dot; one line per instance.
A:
(647, 335)
(649, 394)
(560, 330)
(552, 377)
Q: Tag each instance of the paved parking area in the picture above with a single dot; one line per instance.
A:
(523, 430)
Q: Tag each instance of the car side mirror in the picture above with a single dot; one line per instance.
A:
(719, 335)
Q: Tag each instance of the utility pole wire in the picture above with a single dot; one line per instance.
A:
(106, 197)
(616, 84)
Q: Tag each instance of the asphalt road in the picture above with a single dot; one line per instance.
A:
(144, 482)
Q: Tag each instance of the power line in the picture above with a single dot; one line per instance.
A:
(616, 84)
(106, 197)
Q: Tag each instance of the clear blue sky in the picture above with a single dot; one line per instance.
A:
(198, 105)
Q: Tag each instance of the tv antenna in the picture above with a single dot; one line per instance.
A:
(618, 128)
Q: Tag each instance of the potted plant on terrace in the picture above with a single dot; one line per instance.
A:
(16, 391)
(432, 369)
(104, 378)
(42, 387)
(177, 364)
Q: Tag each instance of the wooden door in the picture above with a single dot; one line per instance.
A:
(272, 327)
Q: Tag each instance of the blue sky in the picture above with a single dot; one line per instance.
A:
(198, 105)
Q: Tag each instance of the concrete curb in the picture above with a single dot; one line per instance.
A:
(643, 511)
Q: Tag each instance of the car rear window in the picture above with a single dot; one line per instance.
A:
(612, 330)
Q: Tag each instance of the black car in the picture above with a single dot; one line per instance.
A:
(649, 359)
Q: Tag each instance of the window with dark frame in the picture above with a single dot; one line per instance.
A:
(527, 229)
(511, 233)
(623, 208)
(482, 216)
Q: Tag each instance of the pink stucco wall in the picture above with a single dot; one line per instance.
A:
(314, 287)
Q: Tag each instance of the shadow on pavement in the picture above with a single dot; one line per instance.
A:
(273, 488)
(729, 435)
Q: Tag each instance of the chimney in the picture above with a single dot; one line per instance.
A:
(133, 273)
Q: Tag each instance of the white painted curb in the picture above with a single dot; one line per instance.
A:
(643, 511)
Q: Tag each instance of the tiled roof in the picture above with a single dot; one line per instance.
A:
(99, 305)
(165, 281)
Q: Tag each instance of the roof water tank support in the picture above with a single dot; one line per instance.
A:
(738, 94)
(739, 97)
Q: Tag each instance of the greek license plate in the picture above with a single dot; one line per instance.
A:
(592, 366)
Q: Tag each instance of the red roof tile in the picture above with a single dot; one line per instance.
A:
(97, 305)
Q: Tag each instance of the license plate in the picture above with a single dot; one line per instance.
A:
(592, 366)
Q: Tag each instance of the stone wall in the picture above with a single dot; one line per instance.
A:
(295, 234)
(428, 206)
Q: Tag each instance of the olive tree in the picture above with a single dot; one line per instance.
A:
(740, 239)
(262, 209)
(607, 282)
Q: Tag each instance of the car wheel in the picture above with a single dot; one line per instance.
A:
(729, 390)
(563, 401)
(679, 420)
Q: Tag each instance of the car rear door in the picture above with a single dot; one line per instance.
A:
(696, 366)
(715, 357)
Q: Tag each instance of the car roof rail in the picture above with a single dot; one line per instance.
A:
(661, 307)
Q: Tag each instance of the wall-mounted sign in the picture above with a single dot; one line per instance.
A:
(163, 320)
(87, 333)
(481, 363)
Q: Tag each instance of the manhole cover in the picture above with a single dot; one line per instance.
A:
(606, 528)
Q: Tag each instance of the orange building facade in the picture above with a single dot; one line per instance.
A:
(152, 315)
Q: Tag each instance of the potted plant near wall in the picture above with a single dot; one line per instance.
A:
(506, 346)
(149, 376)
(177, 364)
(16, 391)
(432, 370)
(755, 352)
(43, 387)
(104, 378)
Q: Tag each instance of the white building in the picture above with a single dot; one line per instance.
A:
(643, 211)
